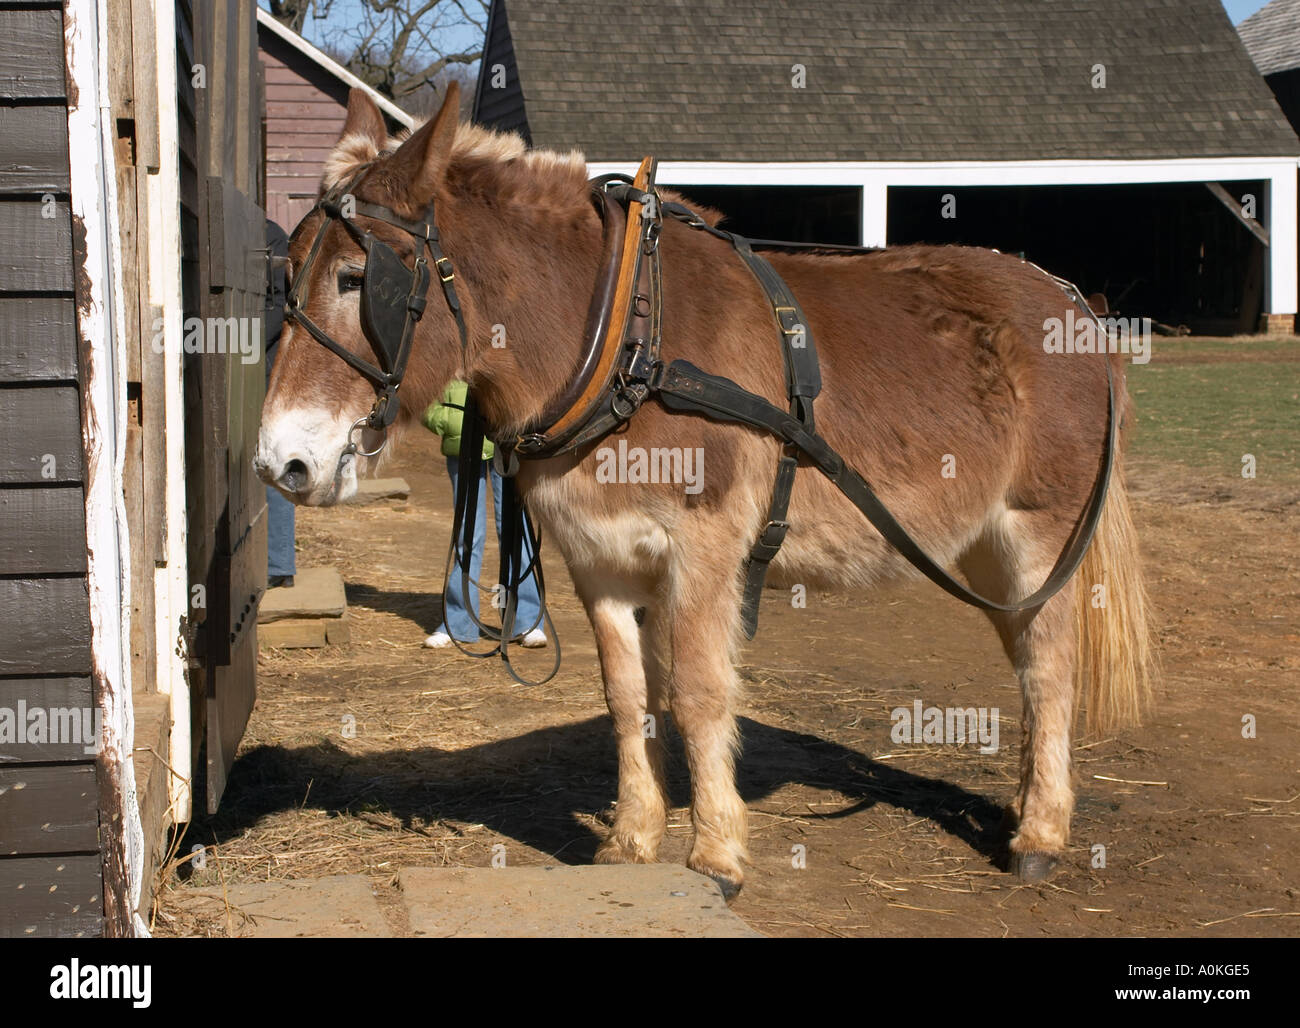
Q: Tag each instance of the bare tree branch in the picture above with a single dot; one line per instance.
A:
(404, 48)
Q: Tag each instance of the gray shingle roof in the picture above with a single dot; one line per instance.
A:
(1272, 36)
(923, 80)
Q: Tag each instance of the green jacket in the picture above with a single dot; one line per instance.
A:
(445, 418)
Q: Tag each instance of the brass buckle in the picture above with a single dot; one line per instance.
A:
(451, 272)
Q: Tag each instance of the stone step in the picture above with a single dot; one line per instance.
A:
(315, 593)
(597, 901)
(338, 907)
(309, 614)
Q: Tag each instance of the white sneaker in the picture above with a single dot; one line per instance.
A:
(438, 640)
(534, 639)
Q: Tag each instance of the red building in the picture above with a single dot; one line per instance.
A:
(306, 102)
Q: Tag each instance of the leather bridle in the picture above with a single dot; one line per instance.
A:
(393, 297)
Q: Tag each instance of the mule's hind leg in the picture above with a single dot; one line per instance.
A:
(642, 812)
(1042, 648)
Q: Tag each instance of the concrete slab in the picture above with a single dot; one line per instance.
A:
(597, 901)
(371, 489)
(315, 593)
(339, 907)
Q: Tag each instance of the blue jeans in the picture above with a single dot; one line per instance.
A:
(279, 534)
(279, 525)
(456, 621)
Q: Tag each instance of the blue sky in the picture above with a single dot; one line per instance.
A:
(1239, 10)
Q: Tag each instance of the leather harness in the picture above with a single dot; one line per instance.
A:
(620, 369)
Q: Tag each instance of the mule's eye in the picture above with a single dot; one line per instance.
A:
(350, 279)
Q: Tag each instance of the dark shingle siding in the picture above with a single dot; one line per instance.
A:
(891, 80)
(1272, 36)
(502, 108)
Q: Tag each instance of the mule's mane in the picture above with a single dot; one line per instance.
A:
(486, 162)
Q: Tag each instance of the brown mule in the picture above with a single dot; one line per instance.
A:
(937, 386)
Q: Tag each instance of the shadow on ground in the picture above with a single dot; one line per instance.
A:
(535, 787)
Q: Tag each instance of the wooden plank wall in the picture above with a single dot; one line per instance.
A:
(224, 393)
(51, 881)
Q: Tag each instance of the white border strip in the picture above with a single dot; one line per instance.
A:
(171, 582)
(94, 204)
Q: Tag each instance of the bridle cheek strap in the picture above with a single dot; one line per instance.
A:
(393, 299)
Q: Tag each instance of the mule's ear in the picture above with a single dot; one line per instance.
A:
(364, 119)
(425, 155)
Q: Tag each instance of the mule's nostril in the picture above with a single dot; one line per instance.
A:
(294, 477)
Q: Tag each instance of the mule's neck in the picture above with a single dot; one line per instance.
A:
(528, 280)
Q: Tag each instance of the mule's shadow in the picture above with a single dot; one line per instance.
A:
(534, 787)
(423, 609)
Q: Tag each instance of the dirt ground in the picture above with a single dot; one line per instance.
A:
(450, 758)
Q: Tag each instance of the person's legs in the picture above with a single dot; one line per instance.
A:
(456, 620)
(279, 535)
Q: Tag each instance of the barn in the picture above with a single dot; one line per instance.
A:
(1130, 147)
(132, 289)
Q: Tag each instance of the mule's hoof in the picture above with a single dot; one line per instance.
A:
(1032, 867)
(729, 887)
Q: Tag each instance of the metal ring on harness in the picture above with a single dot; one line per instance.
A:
(354, 448)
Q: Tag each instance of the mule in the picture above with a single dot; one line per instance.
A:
(937, 386)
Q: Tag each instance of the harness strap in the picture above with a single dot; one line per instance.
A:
(768, 544)
(684, 387)
(803, 382)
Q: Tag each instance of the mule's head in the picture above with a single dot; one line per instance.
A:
(307, 447)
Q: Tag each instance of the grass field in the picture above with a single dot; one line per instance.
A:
(1205, 403)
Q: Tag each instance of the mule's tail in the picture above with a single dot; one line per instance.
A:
(1115, 669)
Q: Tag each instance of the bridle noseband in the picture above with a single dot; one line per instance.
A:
(393, 298)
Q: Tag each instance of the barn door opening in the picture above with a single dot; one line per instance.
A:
(1168, 251)
(800, 214)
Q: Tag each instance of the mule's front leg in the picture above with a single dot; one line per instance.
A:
(701, 694)
(642, 810)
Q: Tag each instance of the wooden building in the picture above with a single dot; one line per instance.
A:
(132, 528)
(306, 102)
(1099, 137)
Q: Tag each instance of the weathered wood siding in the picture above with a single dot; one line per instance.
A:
(50, 861)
